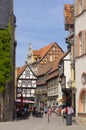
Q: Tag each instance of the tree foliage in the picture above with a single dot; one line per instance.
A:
(5, 57)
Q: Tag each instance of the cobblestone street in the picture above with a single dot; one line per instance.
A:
(33, 123)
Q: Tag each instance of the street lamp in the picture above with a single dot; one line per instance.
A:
(70, 91)
(69, 83)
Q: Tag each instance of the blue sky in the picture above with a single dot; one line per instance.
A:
(39, 22)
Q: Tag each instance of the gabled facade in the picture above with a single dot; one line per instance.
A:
(49, 55)
(26, 83)
(44, 55)
(7, 59)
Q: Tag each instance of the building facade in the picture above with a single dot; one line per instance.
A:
(64, 77)
(80, 59)
(26, 83)
(7, 60)
(69, 26)
(45, 59)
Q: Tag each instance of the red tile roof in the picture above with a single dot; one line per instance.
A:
(51, 67)
(55, 66)
(41, 52)
(43, 69)
(54, 71)
(52, 75)
(20, 70)
(41, 83)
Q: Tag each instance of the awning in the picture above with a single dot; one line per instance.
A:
(25, 101)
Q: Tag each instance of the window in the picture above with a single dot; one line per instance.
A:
(51, 58)
(83, 78)
(27, 73)
(26, 83)
(54, 48)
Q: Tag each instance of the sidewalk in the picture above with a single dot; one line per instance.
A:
(56, 123)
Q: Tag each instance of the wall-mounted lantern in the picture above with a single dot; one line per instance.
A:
(69, 83)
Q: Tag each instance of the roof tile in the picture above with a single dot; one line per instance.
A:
(20, 70)
(41, 52)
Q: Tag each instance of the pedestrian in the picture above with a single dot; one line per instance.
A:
(49, 111)
(56, 110)
(16, 113)
(63, 113)
(70, 110)
(45, 110)
(69, 115)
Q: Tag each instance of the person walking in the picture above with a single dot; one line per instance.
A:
(69, 115)
(45, 110)
(50, 111)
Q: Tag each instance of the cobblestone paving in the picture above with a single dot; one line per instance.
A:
(55, 123)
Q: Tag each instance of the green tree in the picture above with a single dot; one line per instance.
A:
(5, 58)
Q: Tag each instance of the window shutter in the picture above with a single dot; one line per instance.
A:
(83, 42)
(83, 5)
(76, 47)
(76, 8)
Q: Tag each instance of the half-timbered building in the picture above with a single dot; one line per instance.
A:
(44, 62)
(26, 83)
(53, 88)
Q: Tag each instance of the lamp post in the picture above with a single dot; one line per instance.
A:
(69, 83)
(70, 91)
